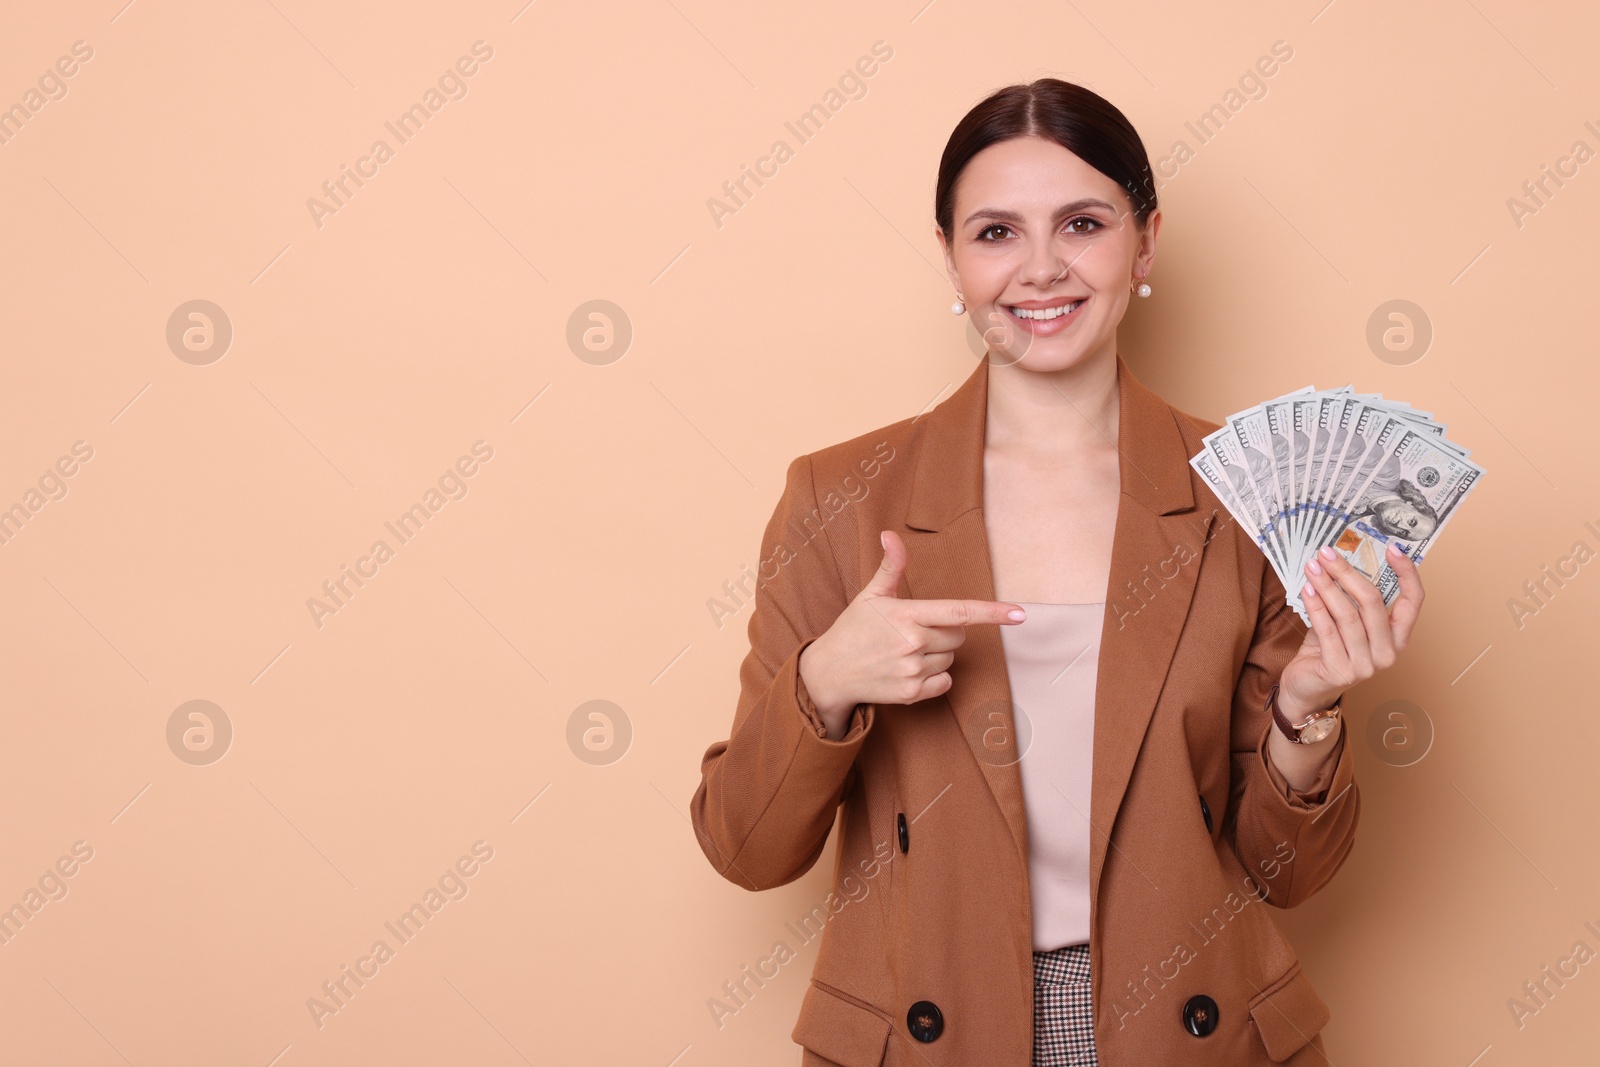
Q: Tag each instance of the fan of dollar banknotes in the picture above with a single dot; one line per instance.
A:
(1335, 467)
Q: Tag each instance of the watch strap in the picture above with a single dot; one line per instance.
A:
(1290, 730)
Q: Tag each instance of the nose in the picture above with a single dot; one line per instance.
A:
(1045, 266)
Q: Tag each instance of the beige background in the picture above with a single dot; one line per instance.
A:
(432, 310)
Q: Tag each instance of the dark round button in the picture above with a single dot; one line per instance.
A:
(924, 1021)
(905, 839)
(1199, 1015)
(1205, 812)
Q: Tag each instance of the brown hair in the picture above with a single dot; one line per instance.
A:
(1079, 120)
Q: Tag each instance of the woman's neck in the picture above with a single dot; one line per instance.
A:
(1071, 411)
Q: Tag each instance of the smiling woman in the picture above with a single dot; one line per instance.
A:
(1071, 784)
(998, 161)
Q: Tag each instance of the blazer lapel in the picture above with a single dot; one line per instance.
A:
(1154, 567)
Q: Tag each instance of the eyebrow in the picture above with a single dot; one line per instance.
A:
(1002, 215)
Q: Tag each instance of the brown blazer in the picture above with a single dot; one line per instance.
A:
(1193, 832)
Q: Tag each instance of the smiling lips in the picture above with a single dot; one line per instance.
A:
(1042, 310)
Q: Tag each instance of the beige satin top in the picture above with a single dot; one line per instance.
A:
(1052, 658)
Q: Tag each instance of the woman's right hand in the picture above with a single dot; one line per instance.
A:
(883, 649)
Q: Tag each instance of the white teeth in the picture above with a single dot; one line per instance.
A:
(1045, 313)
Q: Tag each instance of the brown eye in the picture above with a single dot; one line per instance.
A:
(1090, 225)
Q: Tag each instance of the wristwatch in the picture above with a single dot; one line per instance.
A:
(1314, 729)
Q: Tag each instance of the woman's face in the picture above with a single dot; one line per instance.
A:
(1035, 227)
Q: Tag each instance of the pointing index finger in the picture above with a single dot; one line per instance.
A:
(966, 612)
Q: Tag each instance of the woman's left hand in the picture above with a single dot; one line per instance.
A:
(1351, 637)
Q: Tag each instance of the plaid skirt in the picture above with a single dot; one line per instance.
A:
(1063, 1015)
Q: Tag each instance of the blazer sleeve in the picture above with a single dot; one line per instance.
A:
(1291, 841)
(769, 793)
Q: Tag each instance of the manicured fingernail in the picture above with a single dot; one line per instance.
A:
(1395, 549)
(1308, 590)
(1328, 553)
(1316, 568)
(1017, 615)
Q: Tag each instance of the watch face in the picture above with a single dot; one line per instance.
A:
(1316, 730)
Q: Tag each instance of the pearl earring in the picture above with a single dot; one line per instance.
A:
(958, 307)
(1141, 288)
